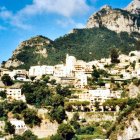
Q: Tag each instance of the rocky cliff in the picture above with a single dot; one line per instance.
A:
(127, 125)
(29, 50)
(134, 7)
(118, 20)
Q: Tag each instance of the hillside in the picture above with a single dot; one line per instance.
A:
(106, 29)
(118, 20)
(127, 125)
(95, 43)
(85, 44)
(29, 52)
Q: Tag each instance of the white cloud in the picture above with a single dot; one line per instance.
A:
(65, 8)
(80, 25)
(67, 22)
(13, 19)
(4, 13)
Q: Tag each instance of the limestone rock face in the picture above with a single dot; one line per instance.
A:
(134, 7)
(13, 63)
(35, 45)
(117, 20)
(133, 91)
(131, 132)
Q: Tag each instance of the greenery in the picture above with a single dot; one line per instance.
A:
(80, 105)
(58, 114)
(6, 79)
(63, 91)
(90, 44)
(124, 115)
(114, 55)
(66, 131)
(9, 128)
(27, 135)
(36, 93)
(3, 94)
(116, 102)
(31, 118)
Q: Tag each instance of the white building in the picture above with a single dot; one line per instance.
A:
(98, 95)
(60, 71)
(70, 62)
(41, 70)
(15, 94)
(81, 79)
(20, 126)
(138, 73)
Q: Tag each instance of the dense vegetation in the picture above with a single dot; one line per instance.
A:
(90, 44)
(85, 44)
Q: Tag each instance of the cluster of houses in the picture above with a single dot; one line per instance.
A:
(76, 72)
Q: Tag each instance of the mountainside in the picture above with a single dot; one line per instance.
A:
(85, 44)
(106, 29)
(134, 7)
(117, 20)
(29, 52)
(127, 125)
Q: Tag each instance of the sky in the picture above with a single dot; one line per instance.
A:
(23, 19)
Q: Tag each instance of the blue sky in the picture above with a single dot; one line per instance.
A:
(22, 19)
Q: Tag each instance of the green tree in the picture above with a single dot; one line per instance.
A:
(28, 135)
(114, 55)
(95, 74)
(31, 118)
(57, 100)
(58, 114)
(53, 82)
(46, 78)
(97, 106)
(75, 116)
(2, 111)
(56, 137)
(6, 79)
(66, 131)
(18, 106)
(63, 91)
(9, 128)
(3, 94)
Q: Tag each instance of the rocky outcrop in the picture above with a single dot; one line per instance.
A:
(134, 7)
(35, 45)
(131, 132)
(134, 91)
(13, 63)
(117, 20)
(127, 125)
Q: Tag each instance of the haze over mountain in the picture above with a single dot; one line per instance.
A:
(105, 29)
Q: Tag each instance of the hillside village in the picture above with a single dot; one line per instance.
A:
(100, 86)
(84, 85)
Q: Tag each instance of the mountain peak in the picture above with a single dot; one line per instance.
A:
(106, 7)
(134, 7)
(118, 20)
